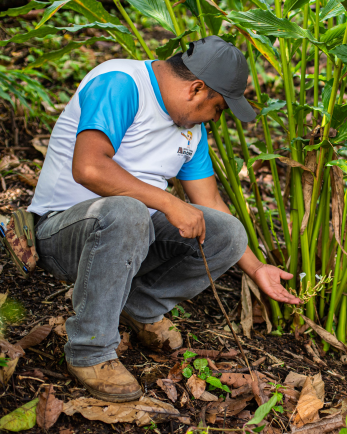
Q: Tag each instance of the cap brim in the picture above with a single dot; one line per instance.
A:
(241, 109)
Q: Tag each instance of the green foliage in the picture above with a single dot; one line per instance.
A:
(23, 418)
(3, 362)
(166, 50)
(189, 355)
(155, 9)
(262, 411)
(24, 9)
(187, 371)
(178, 311)
(215, 382)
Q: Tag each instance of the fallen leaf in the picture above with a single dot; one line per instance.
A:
(243, 390)
(264, 313)
(325, 335)
(324, 425)
(158, 358)
(175, 373)
(40, 145)
(293, 163)
(9, 161)
(65, 431)
(342, 407)
(257, 388)
(308, 405)
(21, 419)
(48, 408)
(211, 364)
(3, 297)
(59, 323)
(236, 380)
(294, 379)
(318, 385)
(168, 387)
(246, 312)
(197, 386)
(124, 344)
(259, 361)
(208, 397)
(11, 351)
(68, 294)
(35, 373)
(7, 371)
(35, 336)
(141, 412)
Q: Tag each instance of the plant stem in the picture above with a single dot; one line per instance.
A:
(228, 146)
(278, 194)
(202, 20)
(341, 329)
(134, 29)
(316, 65)
(333, 298)
(329, 62)
(175, 23)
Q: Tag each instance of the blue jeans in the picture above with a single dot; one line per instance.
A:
(121, 258)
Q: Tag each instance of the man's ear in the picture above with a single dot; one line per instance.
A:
(197, 89)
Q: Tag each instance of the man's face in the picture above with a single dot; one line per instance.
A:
(199, 108)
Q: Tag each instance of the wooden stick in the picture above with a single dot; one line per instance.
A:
(222, 308)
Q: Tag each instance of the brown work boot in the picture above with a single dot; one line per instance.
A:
(161, 335)
(109, 381)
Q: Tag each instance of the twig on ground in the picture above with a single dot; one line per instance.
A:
(56, 293)
(222, 308)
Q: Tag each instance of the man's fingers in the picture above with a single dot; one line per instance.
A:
(203, 234)
(285, 276)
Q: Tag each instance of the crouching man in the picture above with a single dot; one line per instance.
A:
(105, 221)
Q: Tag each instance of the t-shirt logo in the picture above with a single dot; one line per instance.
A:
(186, 151)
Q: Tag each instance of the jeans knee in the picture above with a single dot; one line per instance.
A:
(233, 238)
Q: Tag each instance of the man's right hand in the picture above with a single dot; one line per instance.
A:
(188, 219)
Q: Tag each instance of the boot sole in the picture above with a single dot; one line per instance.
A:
(127, 321)
(125, 397)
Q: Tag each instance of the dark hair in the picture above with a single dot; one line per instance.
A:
(181, 71)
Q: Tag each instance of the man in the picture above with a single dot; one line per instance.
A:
(107, 222)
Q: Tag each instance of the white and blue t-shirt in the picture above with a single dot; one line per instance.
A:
(122, 99)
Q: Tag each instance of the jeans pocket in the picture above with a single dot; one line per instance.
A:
(49, 264)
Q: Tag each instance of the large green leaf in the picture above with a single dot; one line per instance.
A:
(166, 50)
(342, 134)
(342, 164)
(335, 33)
(262, 4)
(155, 9)
(264, 46)
(293, 4)
(50, 30)
(265, 22)
(262, 157)
(56, 55)
(327, 93)
(341, 52)
(333, 8)
(274, 105)
(339, 116)
(14, 12)
(211, 13)
(50, 11)
(23, 418)
(94, 11)
(262, 411)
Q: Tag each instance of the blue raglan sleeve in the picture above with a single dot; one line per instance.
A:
(200, 166)
(109, 103)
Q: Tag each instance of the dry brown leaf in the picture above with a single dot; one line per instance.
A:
(159, 358)
(246, 312)
(208, 397)
(7, 371)
(294, 379)
(342, 408)
(318, 384)
(307, 186)
(40, 145)
(124, 344)
(35, 336)
(35, 373)
(68, 294)
(11, 351)
(29, 179)
(197, 386)
(293, 163)
(3, 298)
(259, 361)
(169, 388)
(325, 425)
(59, 323)
(141, 412)
(257, 388)
(325, 335)
(48, 408)
(9, 162)
(308, 405)
(175, 373)
(234, 406)
(65, 431)
(211, 364)
(236, 380)
(255, 290)
(337, 202)
(243, 390)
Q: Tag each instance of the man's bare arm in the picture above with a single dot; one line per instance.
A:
(94, 168)
(205, 192)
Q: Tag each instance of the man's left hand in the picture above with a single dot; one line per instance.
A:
(268, 278)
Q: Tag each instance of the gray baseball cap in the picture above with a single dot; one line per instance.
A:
(224, 69)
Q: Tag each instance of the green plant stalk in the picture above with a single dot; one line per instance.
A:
(202, 20)
(278, 195)
(175, 23)
(246, 220)
(329, 62)
(343, 279)
(297, 175)
(333, 298)
(321, 161)
(316, 65)
(342, 91)
(134, 29)
(255, 187)
(228, 146)
(219, 163)
(341, 328)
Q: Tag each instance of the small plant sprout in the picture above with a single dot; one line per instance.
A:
(178, 311)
